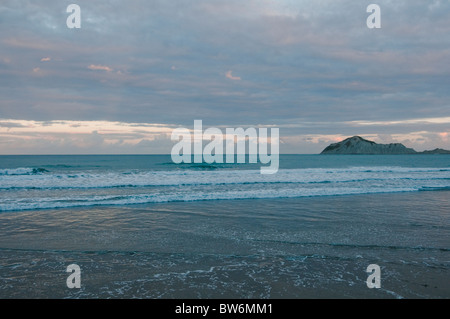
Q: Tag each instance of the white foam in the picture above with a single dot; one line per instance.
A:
(17, 171)
(139, 187)
(177, 178)
(82, 201)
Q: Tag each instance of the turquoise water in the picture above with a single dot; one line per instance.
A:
(43, 182)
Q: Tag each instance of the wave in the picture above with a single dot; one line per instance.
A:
(27, 188)
(111, 200)
(435, 188)
(22, 171)
(31, 178)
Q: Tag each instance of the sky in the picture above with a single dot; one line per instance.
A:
(136, 70)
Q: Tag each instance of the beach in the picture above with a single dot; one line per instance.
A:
(310, 247)
(232, 150)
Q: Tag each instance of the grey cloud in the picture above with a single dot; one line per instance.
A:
(308, 60)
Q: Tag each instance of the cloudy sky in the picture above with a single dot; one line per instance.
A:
(136, 70)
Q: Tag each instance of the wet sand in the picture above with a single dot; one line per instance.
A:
(284, 248)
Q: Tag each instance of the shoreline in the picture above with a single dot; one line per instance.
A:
(94, 206)
(314, 247)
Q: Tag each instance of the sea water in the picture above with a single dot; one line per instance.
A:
(35, 182)
(142, 227)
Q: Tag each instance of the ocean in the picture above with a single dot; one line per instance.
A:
(140, 226)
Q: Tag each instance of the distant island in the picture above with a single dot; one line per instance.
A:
(358, 145)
